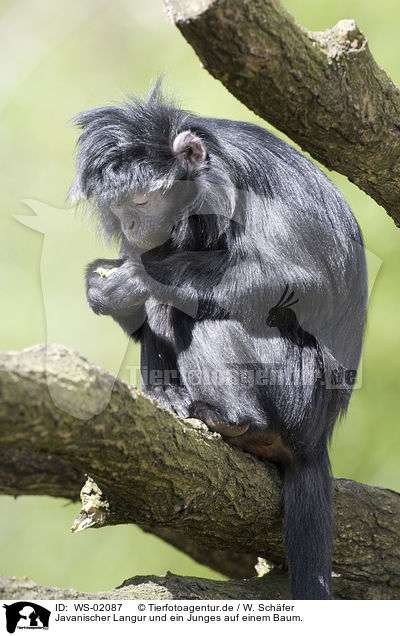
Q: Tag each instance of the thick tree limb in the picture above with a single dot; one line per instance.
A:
(155, 588)
(323, 89)
(171, 476)
(30, 472)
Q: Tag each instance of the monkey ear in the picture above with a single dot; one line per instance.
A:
(189, 149)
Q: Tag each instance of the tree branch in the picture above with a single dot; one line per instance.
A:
(172, 477)
(150, 588)
(323, 89)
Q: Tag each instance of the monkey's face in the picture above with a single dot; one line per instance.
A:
(146, 219)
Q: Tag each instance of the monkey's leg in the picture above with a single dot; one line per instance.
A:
(213, 370)
(159, 368)
(216, 420)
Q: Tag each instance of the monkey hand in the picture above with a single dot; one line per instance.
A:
(115, 287)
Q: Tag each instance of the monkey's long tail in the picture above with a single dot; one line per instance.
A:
(308, 527)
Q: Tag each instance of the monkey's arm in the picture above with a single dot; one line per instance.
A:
(204, 275)
(113, 289)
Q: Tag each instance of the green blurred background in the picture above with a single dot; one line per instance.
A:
(62, 56)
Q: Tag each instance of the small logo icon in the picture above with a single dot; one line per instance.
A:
(26, 615)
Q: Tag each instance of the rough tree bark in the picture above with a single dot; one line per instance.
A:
(156, 587)
(174, 478)
(323, 89)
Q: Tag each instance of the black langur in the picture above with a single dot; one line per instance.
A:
(242, 273)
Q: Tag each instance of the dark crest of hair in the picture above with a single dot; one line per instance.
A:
(144, 145)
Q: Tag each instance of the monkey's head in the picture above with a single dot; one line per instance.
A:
(143, 166)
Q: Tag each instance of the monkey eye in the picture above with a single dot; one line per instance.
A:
(140, 200)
